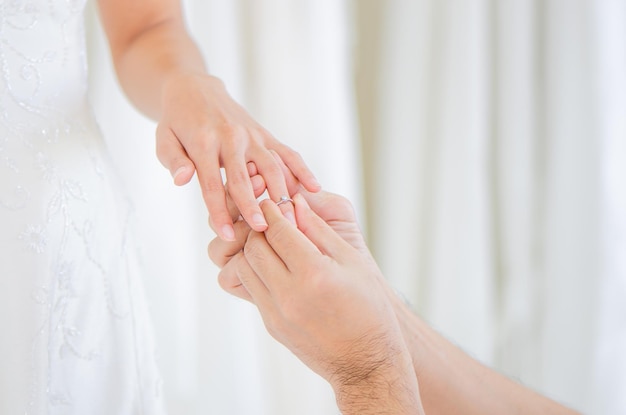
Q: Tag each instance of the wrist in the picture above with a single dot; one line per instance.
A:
(182, 87)
(384, 386)
(178, 80)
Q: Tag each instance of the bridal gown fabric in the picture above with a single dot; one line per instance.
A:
(75, 336)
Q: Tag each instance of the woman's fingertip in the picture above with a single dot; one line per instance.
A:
(259, 221)
(258, 184)
(179, 171)
(317, 186)
(180, 175)
(252, 169)
(228, 233)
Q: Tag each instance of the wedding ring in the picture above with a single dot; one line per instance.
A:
(284, 199)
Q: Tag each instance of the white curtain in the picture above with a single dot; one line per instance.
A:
(497, 182)
(494, 154)
(609, 378)
(288, 63)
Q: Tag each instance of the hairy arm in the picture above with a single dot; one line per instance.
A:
(379, 380)
(451, 382)
(312, 290)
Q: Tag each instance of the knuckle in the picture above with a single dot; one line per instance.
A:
(291, 153)
(228, 129)
(273, 170)
(274, 325)
(316, 284)
(162, 154)
(216, 254)
(223, 281)
(341, 202)
(162, 146)
(315, 274)
(162, 131)
(233, 133)
(320, 282)
(227, 280)
(237, 176)
(211, 252)
(252, 250)
(280, 232)
(242, 269)
(295, 154)
(291, 310)
(277, 324)
(204, 142)
(212, 185)
(265, 137)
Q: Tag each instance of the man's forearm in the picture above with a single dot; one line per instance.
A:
(451, 382)
(390, 388)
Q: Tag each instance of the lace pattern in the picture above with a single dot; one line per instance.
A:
(65, 227)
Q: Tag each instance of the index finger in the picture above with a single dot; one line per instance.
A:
(258, 187)
(214, 195)
(291, 245)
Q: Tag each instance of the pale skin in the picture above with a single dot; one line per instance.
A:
(450, 382)
(200, 127)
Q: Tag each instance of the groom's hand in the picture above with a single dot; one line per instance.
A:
(319, 296)
(335, 210)
(221, 251)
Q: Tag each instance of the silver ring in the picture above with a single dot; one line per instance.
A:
(284, 199)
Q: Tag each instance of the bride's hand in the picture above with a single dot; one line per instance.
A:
(202, 129)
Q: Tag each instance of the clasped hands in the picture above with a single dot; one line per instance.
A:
(307, 269)
(304, 266)
(321, 294)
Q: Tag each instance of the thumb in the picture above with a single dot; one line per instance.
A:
(338, 213)
(318, 231)
(329, 206)
(173, 156)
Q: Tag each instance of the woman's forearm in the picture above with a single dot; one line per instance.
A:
(150, 47)
(201, 129)
(161, 54)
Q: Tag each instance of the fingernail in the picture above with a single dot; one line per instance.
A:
(259, 220)
(228, 233)
(179, 171)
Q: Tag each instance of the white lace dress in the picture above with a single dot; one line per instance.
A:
(74, 330)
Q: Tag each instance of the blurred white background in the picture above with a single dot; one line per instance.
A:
(484, 145)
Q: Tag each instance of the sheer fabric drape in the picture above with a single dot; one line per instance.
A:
(496, 182)
(494, 144)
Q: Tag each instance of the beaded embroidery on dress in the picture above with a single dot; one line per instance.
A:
(75, 336)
